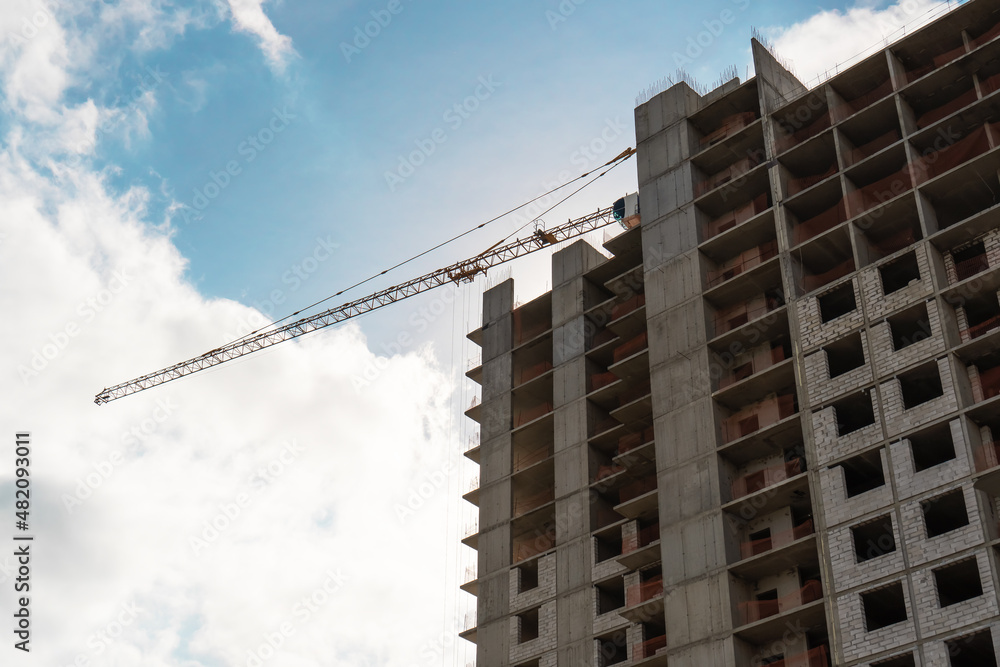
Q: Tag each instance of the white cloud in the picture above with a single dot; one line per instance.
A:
(249, 16)
(95, 294)
(849, 35)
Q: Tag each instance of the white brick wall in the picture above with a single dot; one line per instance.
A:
(936, 652)
(857, 641)
(820, 388)
(829, 446)
(887, 360)
(878, 305)
(910, 483)
(814, 332)
(898, 419)
(919, 548)
(847, 572)
(934, 619)
(534, 596)
(546, 640)
(838, 508)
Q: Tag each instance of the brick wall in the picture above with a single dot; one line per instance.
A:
(877, 304)
(898, 419)
(533, 596)
(910, 483)
(887, 360)
(921, 549)
(830, 446)
(814, 332)
(838, 508)
(820, 388)
(857, 641)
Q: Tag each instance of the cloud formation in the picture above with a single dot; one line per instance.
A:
(249, 17)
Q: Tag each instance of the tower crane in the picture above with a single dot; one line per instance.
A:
(624, 211)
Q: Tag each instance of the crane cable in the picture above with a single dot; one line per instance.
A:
(615, 161)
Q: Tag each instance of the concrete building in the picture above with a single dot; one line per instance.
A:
(762, 433)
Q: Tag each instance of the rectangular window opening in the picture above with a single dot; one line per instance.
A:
(899, 273)
(958, 582)
(845, 355)
(932, 447)
(920, 386)
(863, 473)
(909, 327)
(612, 649)
(945, 513)
(837, 302)
(884, 607)
(528, 623)
(610, 595)
(975, 650)
(853, 412)
(873, 539)
(528, 576)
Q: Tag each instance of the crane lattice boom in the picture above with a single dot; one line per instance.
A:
(464, 271)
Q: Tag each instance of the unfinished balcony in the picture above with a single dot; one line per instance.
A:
(741, 263)
(970, 259)
(762, 478)
(978, 316)
(814, 657)
(878, 180)
(723, 125)
(964, 198)
(712, 174)
(729, 207)
(782, 602)
(531, 490)
(822, 261)
(531, 362)
(531, 402)
(801, 120)
(532, 320)
(859, 88)
(736, 369)
(532, 535)
(984, 377)
(890, 229)
(640, 543)
(768, 604)
(652, 650)
(643, 595)
(758, 416)
(920, 60)
(637, 499)
(816, 211)
(869, 132)
(732, 316)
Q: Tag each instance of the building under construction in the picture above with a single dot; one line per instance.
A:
(762, 433)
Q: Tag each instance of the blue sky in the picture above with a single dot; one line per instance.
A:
(169, 168)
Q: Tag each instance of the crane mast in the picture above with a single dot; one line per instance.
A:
(464, 271)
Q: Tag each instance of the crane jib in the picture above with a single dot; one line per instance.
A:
(464, 271)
